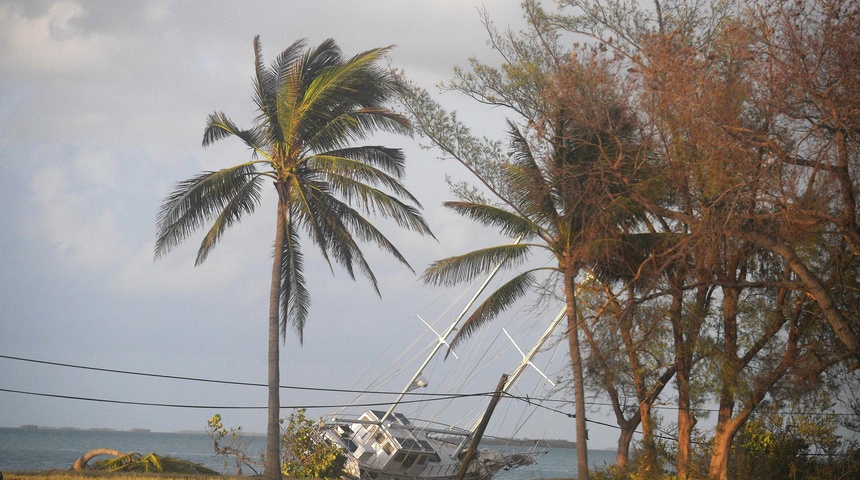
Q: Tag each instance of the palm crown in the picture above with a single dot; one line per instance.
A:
(312, 105)
(565, 201)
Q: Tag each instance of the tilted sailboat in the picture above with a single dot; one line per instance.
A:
(386, 445)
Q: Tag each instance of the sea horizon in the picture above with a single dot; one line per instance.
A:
(557, 442)
(38, 448)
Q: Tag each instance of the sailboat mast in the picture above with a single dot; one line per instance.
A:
(443, 338)
(527, 359)
(513, 377)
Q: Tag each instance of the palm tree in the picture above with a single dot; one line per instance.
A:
(313, 105)
(563, 194)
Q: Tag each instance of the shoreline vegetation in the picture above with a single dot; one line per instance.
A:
(87, 474)
(95, 474)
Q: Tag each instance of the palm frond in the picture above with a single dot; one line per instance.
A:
(265, 86)
(317, 60)
(219, 126)
(307, 210)
(464, 268)
(326, 132)
(286, 64)
(510, 223)
(295, 298)
(496, 303)
(363, 229)
(375, 201)
(243, 201)
(287, 107)
(390, 160)
(336, 84)
(530, 190)
(371, 119)
(333, 224)
(344, 102)
(634, 257)
(333, 130)
(198, 199)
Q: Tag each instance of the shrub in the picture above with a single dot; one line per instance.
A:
(306, 453)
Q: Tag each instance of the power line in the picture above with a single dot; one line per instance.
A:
(228, 407)
(221, 382)
(693, 409)
(436, 396)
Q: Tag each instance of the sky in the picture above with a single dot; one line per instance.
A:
(102, 109)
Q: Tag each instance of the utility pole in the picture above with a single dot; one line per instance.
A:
(485, 420)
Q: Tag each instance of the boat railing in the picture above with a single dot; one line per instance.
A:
(425, 428)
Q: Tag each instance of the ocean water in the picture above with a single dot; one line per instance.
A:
(45, 449)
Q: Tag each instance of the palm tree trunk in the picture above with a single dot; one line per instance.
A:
(578, 382)
(272, 469)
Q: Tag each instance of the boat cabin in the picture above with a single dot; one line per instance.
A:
(392, 448)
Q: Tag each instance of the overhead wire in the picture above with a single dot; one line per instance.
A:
(232, 407)
(210, 380)
(442, 396)
(536, 402)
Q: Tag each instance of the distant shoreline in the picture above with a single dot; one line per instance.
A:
(103, 429)
(554, 443)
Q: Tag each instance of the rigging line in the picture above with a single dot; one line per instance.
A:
(418, 339)
(222, 382)
(379, 360)
(215, 407)
(380, 379)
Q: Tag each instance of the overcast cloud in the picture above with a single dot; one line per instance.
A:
(102, 108)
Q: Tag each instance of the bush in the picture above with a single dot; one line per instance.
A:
(307, 454)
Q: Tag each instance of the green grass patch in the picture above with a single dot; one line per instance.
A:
(98, 474)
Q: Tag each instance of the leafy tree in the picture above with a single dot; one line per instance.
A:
(753, 107)
(306, 455)
(313, 105)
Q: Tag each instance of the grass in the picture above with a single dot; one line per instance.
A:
(97, 474)
(102, 475)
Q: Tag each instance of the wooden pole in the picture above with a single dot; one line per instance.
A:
(479, 432)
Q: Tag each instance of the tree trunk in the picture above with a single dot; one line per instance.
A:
(685, 420)
(272, 470)
(719, 467)
(649, 446)
(81, 463)
(685, 333)
(729, 371)
(610, 384)
(686, 423)
(622, 455)
(578, 381)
